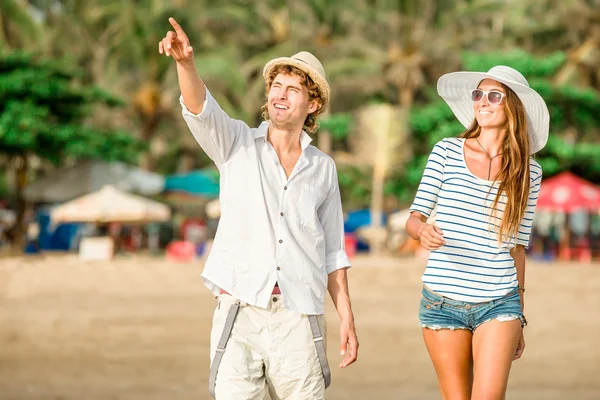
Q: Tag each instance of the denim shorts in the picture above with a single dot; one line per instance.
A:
(439, 312)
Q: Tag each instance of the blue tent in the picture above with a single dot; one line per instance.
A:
(357, 219)
(203, 183)
(60, 237)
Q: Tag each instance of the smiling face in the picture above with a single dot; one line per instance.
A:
(490, 115)
(289, 102)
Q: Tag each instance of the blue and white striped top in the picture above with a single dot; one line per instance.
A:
(471, 266)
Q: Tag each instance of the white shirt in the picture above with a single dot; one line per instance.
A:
(272, 229)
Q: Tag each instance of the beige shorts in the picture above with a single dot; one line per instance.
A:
(269, 351)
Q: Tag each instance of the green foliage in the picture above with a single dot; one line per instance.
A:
(4, 191)
(355, 186)
(338, 125)
(520, 60)
(43, 111)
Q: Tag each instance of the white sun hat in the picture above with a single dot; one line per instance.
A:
(308, 63)
(455, 88)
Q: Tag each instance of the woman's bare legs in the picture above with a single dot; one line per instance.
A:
(450, 351)
(494, 346)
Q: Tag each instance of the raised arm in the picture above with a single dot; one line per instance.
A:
(212, 128)
(176, 44)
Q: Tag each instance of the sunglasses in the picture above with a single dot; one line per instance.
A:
(494, 96)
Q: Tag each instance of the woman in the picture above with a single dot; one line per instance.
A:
(484, 185)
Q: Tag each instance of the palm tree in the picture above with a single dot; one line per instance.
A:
(381, 142)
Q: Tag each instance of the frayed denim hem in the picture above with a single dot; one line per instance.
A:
(440, 327)
(503, 318)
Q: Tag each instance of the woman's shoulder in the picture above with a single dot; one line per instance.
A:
(450, 140)
(535, 170)
(452, 146)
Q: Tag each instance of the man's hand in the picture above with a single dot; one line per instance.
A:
(176, 44)
(338, 289)
(349, 343)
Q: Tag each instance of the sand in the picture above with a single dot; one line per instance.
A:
(138, 327)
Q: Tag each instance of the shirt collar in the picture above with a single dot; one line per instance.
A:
(263, 129)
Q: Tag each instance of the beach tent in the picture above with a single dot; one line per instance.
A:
(203, 183)
(111, 205)
(90, 176)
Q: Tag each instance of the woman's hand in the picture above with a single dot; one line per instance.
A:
(520, 347)
(431, 237)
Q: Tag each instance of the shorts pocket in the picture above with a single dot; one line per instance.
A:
(431, 304)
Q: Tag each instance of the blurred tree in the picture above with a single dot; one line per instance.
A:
(43, 113)
(117, 43)
(389, 51)
(380, 142)
(126, 53)
(18, 27)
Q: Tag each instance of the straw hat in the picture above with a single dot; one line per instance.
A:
(456, 87)
(310, 65)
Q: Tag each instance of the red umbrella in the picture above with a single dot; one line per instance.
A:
(567, 192)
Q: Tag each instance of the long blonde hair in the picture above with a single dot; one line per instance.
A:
(514, 172)
(310, 124)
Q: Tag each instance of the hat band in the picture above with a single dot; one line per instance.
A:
(301, 61)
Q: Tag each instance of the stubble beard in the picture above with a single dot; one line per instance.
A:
(286, 124)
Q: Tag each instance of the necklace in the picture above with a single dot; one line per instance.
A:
(489, 156)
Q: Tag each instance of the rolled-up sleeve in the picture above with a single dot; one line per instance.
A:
(427, 195)
(213, 129)
(332, 220)
(534, 191)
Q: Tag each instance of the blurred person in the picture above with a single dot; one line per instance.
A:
(280, 241)
(485, 186)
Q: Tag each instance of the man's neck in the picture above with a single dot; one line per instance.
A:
(284, 141)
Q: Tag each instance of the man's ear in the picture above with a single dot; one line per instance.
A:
(314, 106)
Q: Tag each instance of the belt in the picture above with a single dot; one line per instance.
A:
(276, 290)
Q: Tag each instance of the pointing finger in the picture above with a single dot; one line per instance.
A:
(160, 47)
(176, 26)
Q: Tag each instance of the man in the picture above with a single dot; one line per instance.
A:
(280, 241)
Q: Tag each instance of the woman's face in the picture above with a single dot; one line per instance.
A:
(490, 114)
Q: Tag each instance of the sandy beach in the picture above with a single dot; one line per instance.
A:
(138, 328)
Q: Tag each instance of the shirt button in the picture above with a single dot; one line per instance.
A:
(280, 241)
(285, 188)
(278, 268)
(274, 299)
(281, 214)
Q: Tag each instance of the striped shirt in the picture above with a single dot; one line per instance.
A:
(471, 266)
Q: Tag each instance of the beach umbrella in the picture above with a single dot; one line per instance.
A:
(569, 194)
(566, 192)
